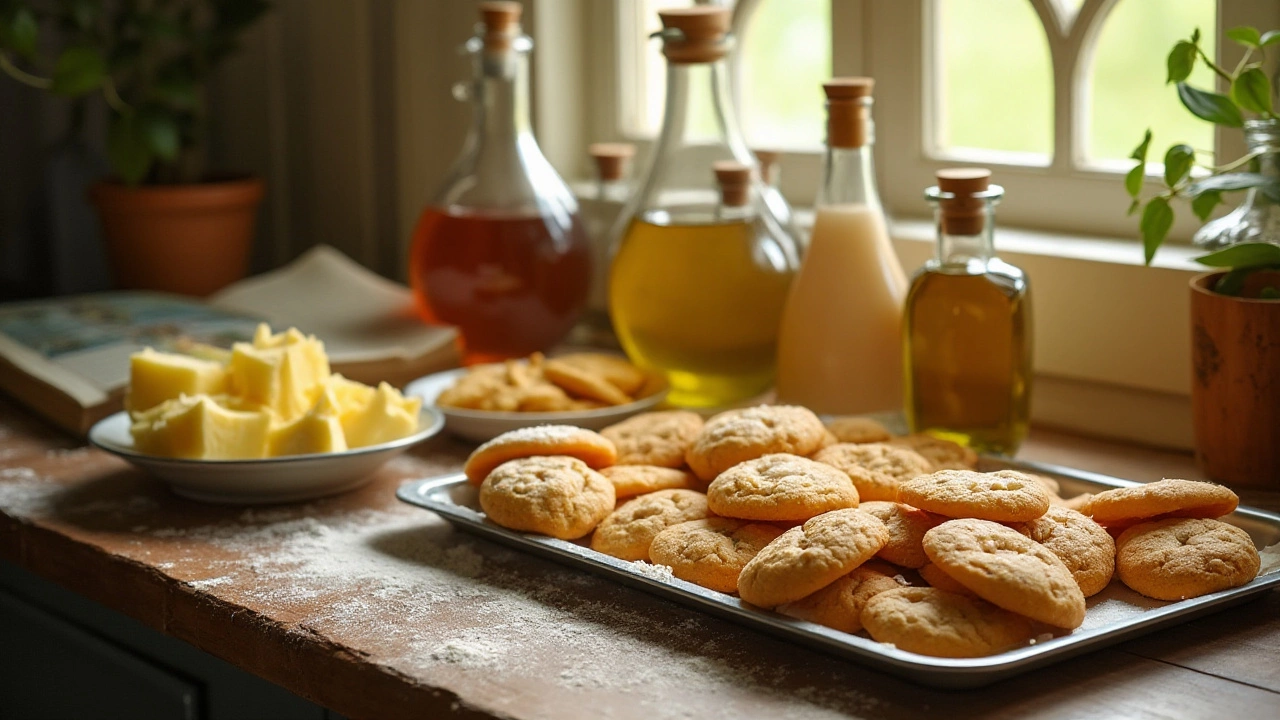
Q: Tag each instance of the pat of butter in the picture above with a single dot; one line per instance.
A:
(199, 427)
(155, 377)
(283, 372)
(387, 416)
(317, 431)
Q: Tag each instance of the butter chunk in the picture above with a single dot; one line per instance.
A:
(318, 431)
(199, 427)
(155, 377)
(283, 372)
(387, 416)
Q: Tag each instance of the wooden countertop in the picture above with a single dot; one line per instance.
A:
(376, 609)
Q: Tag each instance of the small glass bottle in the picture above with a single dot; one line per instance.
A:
(968, 326)
(1257, 219)
(770, 171)
(840, 344)
(697, 285)
(500, 251)
(599, 210)
(611, 160)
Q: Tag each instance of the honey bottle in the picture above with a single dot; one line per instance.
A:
(967, 326)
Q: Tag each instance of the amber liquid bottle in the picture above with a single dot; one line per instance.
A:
(967, 326)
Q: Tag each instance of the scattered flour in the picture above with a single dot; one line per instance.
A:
(650, 570)
(23, 492)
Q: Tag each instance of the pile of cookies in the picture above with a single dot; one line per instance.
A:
(578, 381)
(848, 527)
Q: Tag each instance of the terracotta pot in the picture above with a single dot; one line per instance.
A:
(189, 239)
(1235, 388)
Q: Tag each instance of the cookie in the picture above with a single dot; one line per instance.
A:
(805, 559)
(828, 439)
(655, 438)
(932, 622)
(614, 370)
(736, 436)
(906, 526)
(780, 487)
(1050, 485)
(944, 454)
(936, 577)
(1005, 497)
(1076, 502)
(557, 495)
(590, 447)
(631, 480)
(583, 383)
(839, 605)
(1161, 499)
(876, 469)
(628, 531)
(1007, 569)
(857, 430)
(1083, 545)
(711, 552)
(1179, 558)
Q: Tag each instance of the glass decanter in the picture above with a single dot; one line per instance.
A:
(1257, 219)
(500, 251)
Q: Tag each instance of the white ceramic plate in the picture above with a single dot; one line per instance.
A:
(268, 480)
(482, 425)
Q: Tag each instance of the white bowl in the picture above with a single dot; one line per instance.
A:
(483, 425)
(288, 478)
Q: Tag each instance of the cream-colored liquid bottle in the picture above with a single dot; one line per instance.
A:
(840, 343)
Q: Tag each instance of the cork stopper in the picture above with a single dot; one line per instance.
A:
(848, 111)
(701, 37)
(964, 214)
(501, 21)
(611, 159)
(768, 161)
(734, 179)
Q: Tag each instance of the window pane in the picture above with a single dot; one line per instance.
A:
(786, 56)
(993, 83)
(1128, 93)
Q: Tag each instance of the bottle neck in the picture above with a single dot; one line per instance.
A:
(958, 247)
(848, 177)
(502, 95)
(1263, 137)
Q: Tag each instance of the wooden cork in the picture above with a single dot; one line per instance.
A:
(701, 38)
(848, 111)
(768, 160)
(734, 179)
(964, 214)
(501, 20)
(611, 159)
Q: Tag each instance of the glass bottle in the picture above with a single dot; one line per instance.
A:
(500, 251)
(697, 287)
(968, 326)
(611, 160)
(1257, 219)
(840, 344)
(599, 212)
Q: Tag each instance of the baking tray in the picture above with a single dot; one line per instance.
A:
(1115, 614)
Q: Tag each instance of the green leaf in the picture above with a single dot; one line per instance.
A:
(1271, 37)
(1133, 206)
(1182, 58)
(1177, 163)
(19, 32)
(160, 131)
(1244, 255)
(1232, 283)
(1269, 293)
(79, 70)
(1215, 108)
(1247, 36)
(1227, 182)
(1252, 91)
(1195, 36)
(1204, 203)
(1133, 180)
(176, 93)
(1140, 153)
(127, 149)
(1157, 218)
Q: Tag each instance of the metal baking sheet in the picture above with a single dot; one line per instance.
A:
(1115, 614)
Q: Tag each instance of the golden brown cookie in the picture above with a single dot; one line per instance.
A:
(808, 558)
(1005, 497)
(583, 383)
(557, 495)
(711, 552)
(1076, 502)
(631, 480)
(839, 605)
(1050, 485)
(907, 526)
(828, 440)
(736, 436)
(613, 369)
(944, 454)
(655, 438)
(1007, 569)
(932, 622)
(938, 578)
(857, 430)
(1081, 544)
(1179, 558)
(628, 531)
(877, 469)
(590, 447)
(780, 487)
(1158, 500)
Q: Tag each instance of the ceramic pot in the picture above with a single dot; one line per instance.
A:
(1235, 388)
(188, 239)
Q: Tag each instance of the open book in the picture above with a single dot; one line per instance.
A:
(68, 358)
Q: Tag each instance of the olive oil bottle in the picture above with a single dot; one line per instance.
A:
(967, 326)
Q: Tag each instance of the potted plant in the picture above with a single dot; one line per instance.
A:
(169, 224)
(1235, 309)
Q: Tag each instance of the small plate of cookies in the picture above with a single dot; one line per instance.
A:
(584, 389)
